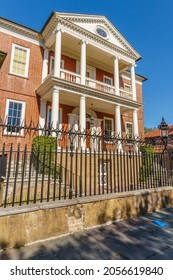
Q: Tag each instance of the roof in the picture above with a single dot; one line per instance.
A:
(156, 133)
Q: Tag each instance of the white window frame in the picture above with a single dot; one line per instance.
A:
(60, 116)
(27, 60)
(52, 58)
(127, 85)
(92, 72)
(129, 143)
(108, 78)
(22, 116)
(112, 132)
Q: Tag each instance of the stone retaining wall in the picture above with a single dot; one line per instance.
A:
(27, 224)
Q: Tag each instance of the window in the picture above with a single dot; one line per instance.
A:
(127, 87)
(107, 80)
(49, 114)
(15, 111)
(129, 131)
(19, 61)
(108, 128)
(52, 61)
(90, 72)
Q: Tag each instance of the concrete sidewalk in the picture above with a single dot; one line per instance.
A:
(138, 238)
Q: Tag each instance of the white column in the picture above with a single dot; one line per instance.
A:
(82, 118)
(133, 81)
(57, 62)
(42, 120)
(135, 123)
(116, 76)
(45, 64)
(83, 62)
(118, 131)
(55, 108)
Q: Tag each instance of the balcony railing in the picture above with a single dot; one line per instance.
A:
(126, 94)
(76, 78)
(70, 76)
(100, 86)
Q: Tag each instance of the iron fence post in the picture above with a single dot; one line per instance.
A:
(71, 164)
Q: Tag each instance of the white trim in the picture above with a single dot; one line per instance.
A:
(123, 76)
(16, 34)
(27, 60)
(22, 116)
(112, 132)
(92, 113)
(50, 66)
(128, 86)
(45, 64)
(104, 29)
(126, 131)
(108, 78)
(92, 71)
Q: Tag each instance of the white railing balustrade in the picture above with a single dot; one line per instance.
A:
(70, 76)
(100, 86)
(76, 78)
(126, 94)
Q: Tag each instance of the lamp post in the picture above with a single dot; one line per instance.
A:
(163, 127)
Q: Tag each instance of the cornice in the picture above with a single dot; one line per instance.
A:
(21, 29)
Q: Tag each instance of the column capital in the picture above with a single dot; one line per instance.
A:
(58, 30)
(55, 88)
(82, 97)
(117, 106)
(42, 100)
(45, 48)
(135, 110)
(83, 41)
(133, 64)
(116, 57)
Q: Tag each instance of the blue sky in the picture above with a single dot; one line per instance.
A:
(146, 24)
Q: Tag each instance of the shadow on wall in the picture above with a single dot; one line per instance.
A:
(136, 206)
(132, 239)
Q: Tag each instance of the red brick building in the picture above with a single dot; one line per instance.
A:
(78, 71)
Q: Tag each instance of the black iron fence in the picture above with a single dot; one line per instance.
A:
(71, 164)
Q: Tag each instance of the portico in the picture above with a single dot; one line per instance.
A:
(84, 68)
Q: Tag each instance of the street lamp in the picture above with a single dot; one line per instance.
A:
(163, 127)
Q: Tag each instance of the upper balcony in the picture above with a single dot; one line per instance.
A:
(83, 56)
(94, 84)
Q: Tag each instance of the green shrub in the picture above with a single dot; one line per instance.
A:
(44, 155)
(147, 162)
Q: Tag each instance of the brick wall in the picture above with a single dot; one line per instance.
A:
(19, 88)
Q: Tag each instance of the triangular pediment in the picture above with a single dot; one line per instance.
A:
(101, 27)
